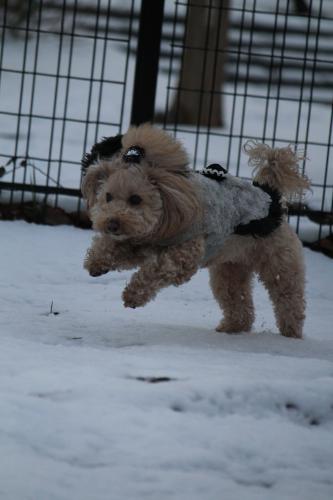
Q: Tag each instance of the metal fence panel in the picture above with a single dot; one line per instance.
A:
(250, 69)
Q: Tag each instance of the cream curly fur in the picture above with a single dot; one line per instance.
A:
(168, 205)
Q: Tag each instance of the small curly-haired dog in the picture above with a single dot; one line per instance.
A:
(153, 213)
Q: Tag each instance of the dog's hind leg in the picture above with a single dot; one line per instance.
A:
(231, 284)
(281, 269)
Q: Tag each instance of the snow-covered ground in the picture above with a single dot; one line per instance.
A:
(248, 416)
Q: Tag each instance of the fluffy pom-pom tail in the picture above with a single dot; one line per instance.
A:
(278, 168)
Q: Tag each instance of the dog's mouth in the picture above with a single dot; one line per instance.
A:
(117, 236)
(113, 227)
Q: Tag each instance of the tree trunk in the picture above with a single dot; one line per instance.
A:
(198, 100)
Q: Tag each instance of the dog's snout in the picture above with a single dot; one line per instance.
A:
(114, 225)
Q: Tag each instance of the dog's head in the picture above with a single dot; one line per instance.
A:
(145, 145)
(142, 190)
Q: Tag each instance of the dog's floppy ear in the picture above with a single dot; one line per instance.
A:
(91, 181)
(181, 205)
(94, 170)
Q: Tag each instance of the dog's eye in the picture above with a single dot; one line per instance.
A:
(108, 197)
(135, 199)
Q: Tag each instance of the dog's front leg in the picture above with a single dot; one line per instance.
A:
(107, 255)
(172, 266)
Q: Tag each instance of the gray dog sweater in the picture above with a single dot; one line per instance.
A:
(227, 204)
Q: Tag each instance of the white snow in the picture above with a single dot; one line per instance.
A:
(246, 416)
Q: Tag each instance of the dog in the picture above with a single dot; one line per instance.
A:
(153, 213)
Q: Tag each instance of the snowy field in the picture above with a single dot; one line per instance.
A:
(243, 417)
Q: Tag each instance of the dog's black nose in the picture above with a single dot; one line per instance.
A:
(114, 226)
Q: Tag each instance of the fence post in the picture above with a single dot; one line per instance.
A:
(147, 59)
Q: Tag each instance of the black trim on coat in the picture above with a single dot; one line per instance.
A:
(259, 228)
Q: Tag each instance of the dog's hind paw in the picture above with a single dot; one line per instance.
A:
(229, 327)
(292, 332)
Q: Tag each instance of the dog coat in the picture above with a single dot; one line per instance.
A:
(230, 206)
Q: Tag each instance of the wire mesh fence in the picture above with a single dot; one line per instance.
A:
(64, 75)
(228, 71)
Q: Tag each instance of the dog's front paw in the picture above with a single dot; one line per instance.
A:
(133, 297)
(95, 269)
(100, 272)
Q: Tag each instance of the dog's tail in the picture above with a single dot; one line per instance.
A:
(277, 168)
